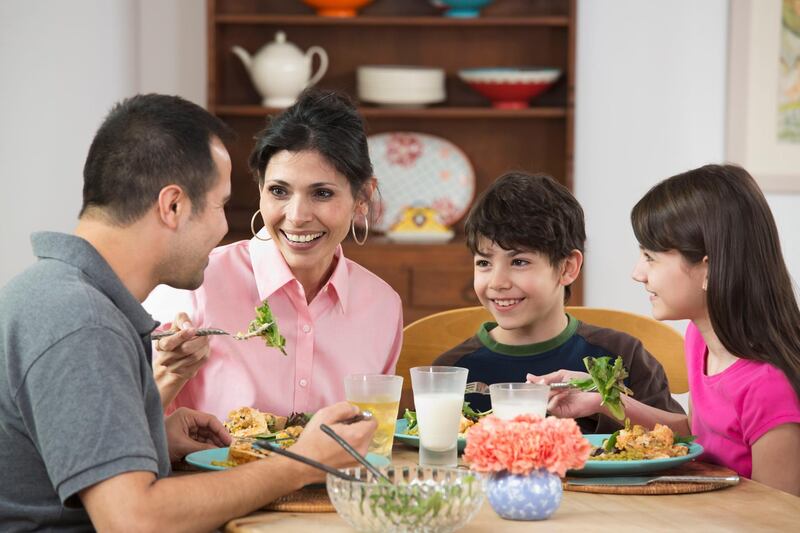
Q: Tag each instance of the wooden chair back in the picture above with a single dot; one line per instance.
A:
(430, 336)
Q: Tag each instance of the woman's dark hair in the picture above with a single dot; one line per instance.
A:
(718, 211)
(145, 143)
(528, 212)
(323, 121)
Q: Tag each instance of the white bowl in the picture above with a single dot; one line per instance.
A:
(400, 85)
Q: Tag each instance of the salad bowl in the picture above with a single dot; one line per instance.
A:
(419, 499)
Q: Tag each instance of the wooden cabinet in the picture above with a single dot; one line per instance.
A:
(429, 278)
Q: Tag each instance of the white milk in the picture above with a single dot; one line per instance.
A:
(509, 409)
(438, 416)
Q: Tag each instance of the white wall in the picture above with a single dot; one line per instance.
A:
(650, 103)
(62, 65)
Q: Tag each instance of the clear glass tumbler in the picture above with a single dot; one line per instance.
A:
(380, 395)
(438, 398)
(512, 399)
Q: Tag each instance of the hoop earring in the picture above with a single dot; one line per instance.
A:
(366, 230)
(253, 228)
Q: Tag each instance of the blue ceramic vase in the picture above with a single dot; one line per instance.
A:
(531, 497)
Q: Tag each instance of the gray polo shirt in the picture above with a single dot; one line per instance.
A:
(78, 403)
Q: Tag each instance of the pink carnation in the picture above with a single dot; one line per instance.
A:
(526, 443)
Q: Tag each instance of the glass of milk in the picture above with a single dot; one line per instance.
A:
(512, 399)
(438, 398)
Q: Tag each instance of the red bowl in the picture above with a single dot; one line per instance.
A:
(510, 88)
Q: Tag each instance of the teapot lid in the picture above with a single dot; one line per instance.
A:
(282, 49)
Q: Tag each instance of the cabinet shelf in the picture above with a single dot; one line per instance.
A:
(311, 20)
(411, 113)
(428, 277)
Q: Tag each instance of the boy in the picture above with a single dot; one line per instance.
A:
(527, 235)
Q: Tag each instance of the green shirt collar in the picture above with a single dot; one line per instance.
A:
(526, 349)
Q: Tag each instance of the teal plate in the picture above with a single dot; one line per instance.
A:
(203, 459)
(413, 440)
(626, 468)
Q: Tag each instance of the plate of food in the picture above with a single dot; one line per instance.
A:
(406, 431)
(635, 450)
(224, 458)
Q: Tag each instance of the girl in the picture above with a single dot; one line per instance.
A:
(710, 253)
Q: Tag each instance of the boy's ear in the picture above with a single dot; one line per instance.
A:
(571, 267)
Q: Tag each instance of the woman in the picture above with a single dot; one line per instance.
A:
(315, 182)
(710, 253)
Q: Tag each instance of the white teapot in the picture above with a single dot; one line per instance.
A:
(280, 70)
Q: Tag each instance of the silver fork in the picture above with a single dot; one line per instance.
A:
(204, 332)
(478, 387)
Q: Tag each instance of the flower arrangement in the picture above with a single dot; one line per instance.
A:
(524, 444)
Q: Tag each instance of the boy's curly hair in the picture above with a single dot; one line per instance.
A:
(528, 212)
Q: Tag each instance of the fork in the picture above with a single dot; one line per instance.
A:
(478, 387)
(204, 332)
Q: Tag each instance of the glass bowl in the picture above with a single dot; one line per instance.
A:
(421, 499)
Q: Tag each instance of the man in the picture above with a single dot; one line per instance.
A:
(83, 439)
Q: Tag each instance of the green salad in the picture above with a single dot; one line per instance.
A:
(271, 335)
(608, 379)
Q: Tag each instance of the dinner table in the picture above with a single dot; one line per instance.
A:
(746, 506)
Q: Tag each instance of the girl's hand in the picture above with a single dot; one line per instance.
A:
(557, 377)
(572, 403)
(569, 402)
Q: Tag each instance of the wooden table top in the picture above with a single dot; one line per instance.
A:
(748, 506)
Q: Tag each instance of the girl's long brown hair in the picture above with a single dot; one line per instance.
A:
(718, 211)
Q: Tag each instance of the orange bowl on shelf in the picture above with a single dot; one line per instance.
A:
(337, 8)
(510, 88)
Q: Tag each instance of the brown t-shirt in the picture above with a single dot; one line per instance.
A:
(492, 362)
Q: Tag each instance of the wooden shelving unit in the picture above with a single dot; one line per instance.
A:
(410, 32)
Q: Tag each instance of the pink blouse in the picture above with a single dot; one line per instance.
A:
(733, 409)
(353, 325)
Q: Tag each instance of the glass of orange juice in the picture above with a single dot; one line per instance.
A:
(380, 395)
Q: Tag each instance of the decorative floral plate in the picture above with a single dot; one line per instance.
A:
(418, 169)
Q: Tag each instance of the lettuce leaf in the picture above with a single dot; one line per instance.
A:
(271, 335)
(608, 379)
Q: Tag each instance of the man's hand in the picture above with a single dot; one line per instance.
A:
(190, 431)
(180, 356)
(317, 445)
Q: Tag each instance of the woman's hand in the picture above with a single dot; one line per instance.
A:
(180, 356)
(568, 402)
(190, 431)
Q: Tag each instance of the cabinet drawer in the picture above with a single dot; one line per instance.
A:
(442, 288)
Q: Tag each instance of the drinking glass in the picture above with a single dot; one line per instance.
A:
(438, 398)
(512, 399)
(380, 395)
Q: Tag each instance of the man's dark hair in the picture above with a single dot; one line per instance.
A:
(527, 212)
(145, 143)
(323, 121)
